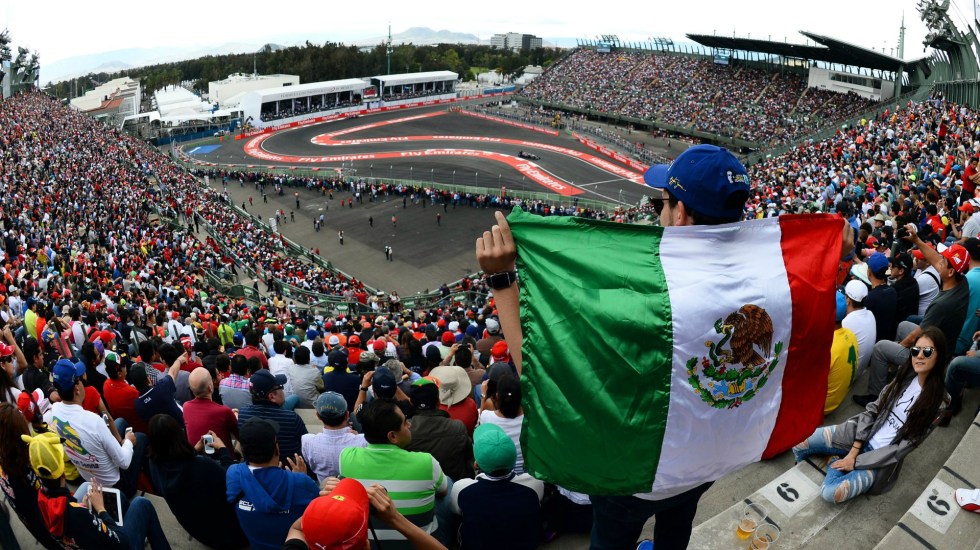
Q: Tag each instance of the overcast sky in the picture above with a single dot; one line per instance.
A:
(60, 29)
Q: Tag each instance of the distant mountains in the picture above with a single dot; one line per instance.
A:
(118, 60)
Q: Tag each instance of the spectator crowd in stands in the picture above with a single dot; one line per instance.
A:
(766, 108)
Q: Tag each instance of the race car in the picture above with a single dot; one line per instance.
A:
(528, 156)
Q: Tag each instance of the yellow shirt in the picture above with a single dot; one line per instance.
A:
(843, 368)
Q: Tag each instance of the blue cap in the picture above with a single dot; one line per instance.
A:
(383, 382)
(841, 306)
(707, 179)
(238, 338)
(877, 263)
(66, 374)
(312, 334)
(263, 382)
(331, 405)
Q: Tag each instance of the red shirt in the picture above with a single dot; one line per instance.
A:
(120, 397)
(92, 399)
(968, 185)
(201, 415)
(252, 351)
(464, 411)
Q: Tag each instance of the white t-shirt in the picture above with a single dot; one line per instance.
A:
(862, 323)
(928, 280)
(511, 427)
(280, 365)
(89, 444)
(897, 416)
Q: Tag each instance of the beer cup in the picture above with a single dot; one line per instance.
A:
(750, 518)
(764, 537)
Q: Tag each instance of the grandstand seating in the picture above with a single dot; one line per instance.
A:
(767, 108)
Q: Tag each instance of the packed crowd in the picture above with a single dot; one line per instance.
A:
(300, 108)
(745, 103)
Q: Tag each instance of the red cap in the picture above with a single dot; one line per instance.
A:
(958, 258)
(500, 350)
(448, 339)
(6, 349)
(354, 340)
(441, 323)
(338, 520)
(379, 346)
(871, 242)
(967, 207)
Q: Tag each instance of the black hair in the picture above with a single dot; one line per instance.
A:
(252, 338)
(379, 418)
(279, 346)
(317, 348)
(146, 351)
(253, 364)
(301, 356)
(924, 411)
(239, 365)
(167, 439)
(507, 397)
(735, 200)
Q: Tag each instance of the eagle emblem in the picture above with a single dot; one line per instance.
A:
(731, 376)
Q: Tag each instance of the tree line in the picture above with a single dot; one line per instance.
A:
(317, 63)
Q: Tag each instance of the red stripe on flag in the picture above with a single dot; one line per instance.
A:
(811, 247)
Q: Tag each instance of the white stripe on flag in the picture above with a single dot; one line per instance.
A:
(709, 277)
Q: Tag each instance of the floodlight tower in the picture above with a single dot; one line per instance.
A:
(388, 47)
(901, 38)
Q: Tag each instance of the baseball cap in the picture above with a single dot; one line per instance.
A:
(339, 519)
(112, 357)
(354, 341)
(902, 260)
(972, 246)
(65, 374)
(871, 242)
(500, 351)
(338, 358)
(967, 207)
(383, 382)
(447, 339)
(331, 405)
(425, 395)
(264, 382)
(257, 437)
(706, 178)
(841, 306)
(958, 258)
(379, 346)
(856, 290)
(877, 263)
(334, 340)
(312, 334)
(493, 449)
(917, 254)
(6, 350)
(493, 326)
(47, 454)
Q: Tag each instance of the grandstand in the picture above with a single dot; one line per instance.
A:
(92, 215)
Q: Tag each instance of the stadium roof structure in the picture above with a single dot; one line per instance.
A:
(830, 50)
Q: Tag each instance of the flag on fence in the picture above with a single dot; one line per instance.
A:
(663, 358)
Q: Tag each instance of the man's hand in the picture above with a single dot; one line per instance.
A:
(381, 503)
(329, 484)
(131, 437)
(296, 464)
(495, 250)
(368, 377)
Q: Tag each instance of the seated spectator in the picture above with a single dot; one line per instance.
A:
(500, 508)
(266, 497)
(99, 455)
(972, 323)
(339, 519)
(456, 395)
(159, 397)
(860, 321)
(267, 400)
(251, 349)
(18, 482)
(120, 396)
(304, 378)
(947, 311)
(281, 361)
(905, 286)
(202, 415)
(339, 379)
(234, 389)
(194, 485)
(507, 413)
(882, 300)
(70, 521)
(877, 441)
(322, 450)
(434, 432)
(843, 360)
(417, 477)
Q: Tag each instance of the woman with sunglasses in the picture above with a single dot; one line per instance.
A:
(873, 444)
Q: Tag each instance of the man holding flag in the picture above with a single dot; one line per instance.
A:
(714, 347)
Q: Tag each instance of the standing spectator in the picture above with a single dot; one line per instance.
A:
(507, 413)
(159, 397)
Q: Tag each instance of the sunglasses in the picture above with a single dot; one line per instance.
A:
(926, 352)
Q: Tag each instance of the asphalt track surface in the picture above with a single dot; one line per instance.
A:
(400, 146)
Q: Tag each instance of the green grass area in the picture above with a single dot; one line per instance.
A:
(476, 71)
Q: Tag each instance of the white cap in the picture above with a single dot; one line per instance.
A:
(334, 340)
(493, 327)
(856, 290)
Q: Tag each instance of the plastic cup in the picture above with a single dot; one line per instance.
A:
(764, 537)
(749, 519)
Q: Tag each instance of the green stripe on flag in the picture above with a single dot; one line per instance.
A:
(597, 351)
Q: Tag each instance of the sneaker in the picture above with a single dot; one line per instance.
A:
(645, 544)
(863, 400)
(968, 499)
(945, 419)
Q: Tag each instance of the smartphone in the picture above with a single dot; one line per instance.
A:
(113, 504)
(105, 418)
(129, 431)
(208, 441)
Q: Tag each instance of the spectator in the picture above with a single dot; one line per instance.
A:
(339, 379)
(304, 378)
(266, 497)
(456, 395)
(972, 323)
(267, 400)
(843, 360)
(434, 432)
(202, 415)
(899, 420)
(234, 389)
(417, 477)
(905, 286)
(120, 396)
(882, 300)
(322, 450)
(860, 321)
(507, 413)
(18, 481)
(161, 396)
(194, 485)
(500, 508)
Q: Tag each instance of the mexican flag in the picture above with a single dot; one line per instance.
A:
(656, 359)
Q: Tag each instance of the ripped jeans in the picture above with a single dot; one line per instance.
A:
(838, 486)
